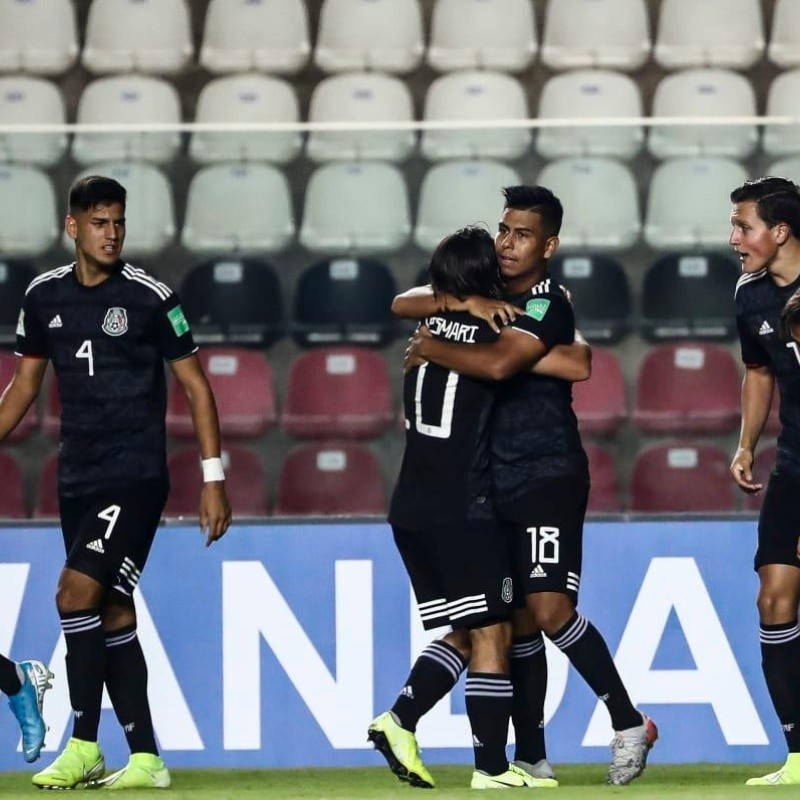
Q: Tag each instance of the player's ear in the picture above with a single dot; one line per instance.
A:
(551, 247)
(71, 227)
(781, 232)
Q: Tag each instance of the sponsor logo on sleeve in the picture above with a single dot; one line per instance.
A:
(178, 321)
(21, 323)
(537, 308)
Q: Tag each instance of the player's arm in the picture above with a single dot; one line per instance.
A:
(20, 393)
(569, 362)
(215, 510)
(757, 388)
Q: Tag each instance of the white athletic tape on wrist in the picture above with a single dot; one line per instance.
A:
(212, 470)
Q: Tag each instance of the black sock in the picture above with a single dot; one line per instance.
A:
(586, 649)
(529, 679)
(780, 660)
(126, 680)
(434, 674)
(9, 678)
(489, 699)
(86, 666)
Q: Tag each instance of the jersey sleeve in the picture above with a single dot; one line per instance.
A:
(548, 318)
(753, 354)
(31, 335)
(174, 337)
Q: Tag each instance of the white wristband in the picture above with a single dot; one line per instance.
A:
(212, 470)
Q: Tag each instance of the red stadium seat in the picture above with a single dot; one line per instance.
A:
(30, 422)
(674, 478)
(765, 460)
(245, 482)
(338, 393)
(599, 403)
(12, 504)
(604, 494)
(243, 388)
(46, 506)
(328, 479)
(688, 388)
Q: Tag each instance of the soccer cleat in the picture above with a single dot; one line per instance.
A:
(79, 763)
(541, 769)
(143, 771)
(512, 778)
(629, 752)
(400, 749)
(26, 705)
(787, 775)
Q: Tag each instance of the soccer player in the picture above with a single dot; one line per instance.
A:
(108, 327)
(766, 236)
(539, 469)
(24, 684)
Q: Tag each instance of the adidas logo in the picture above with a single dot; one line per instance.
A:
(765, 329)
(56, 322)
(408, 692)
(538, 572)
(96, 545)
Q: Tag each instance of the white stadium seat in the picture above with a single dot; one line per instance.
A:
(361, 97)
(265, 35)
(243, 208)
(128, 100)
(689, 203)
(27, 212)
(248, 99)
(601, 205)
(608, 34)
(356, 208)
(703, 93)
(458, 193)
(786, 168)
(590, 93)
(384, 35)
(784, 45)
(38, 36)
(709, 33)
(482, 34)
(783, 99)
(476, 95)
(138, 35)
(25, 101)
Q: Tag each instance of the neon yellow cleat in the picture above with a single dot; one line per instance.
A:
(536, 779)
(79, 763)
(787, 775)
(143, 771)
(512, 778)
(400, 749)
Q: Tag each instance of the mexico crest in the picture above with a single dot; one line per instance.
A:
(116, 321)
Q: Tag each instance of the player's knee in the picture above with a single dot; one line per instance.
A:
(775, 607)
(550, 612)
(77, 592)
(116, 615)
(459, 639)
(490, 646)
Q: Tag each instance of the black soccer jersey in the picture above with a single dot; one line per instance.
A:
(444, 476)
(108, 344)
(534, 429)
(759, 302)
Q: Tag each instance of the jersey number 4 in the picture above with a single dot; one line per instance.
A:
(448, 401)
(85, 351)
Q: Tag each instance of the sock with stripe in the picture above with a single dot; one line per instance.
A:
(126, 681)
(529, 678)
(780, 660)
(10, 681)
(489, 700)
(86, 666)
(435, 672)
(587, 651)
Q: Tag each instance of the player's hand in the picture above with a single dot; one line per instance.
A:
(413, 356)
(492, 311)
(215, 511)
(742, 471)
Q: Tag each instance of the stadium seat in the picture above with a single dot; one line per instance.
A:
(234, 302)
(591, 222)
(242, 35)
(246, 99)
(344, 300)
(783, 99)
(30, 422)
(482, 34)
(338, 392)
(46, 503)
(459, 193)
(689, 297)
(475, 95)
(243, 388)
(27, 212)
(601, 296)
(330, 479)
(687, 388)
(243, 208)
(382, 35)
(245, 482)
(590, 93)
(149, 210)
(784, 44)
(703, 93)
(31, 101)
(140, 36)
(604, 496)
(128, 100)
(610, 34)
(599, 403)
(765, 461)
(15, 275)
(707, 33)
(360, 97)
(355, 207)
(681, 478)
(12, 502)
(688, 203)
(38, 36)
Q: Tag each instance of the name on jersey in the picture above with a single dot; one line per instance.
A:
(454, 331)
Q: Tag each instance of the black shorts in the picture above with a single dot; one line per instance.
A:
(460, 574)
(546, 535)
(779, 521)
(108, 535)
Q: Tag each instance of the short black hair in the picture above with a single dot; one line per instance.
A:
(538, 199)
(94, 190)
(777, 200)
(465, 263)
(790, 316)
